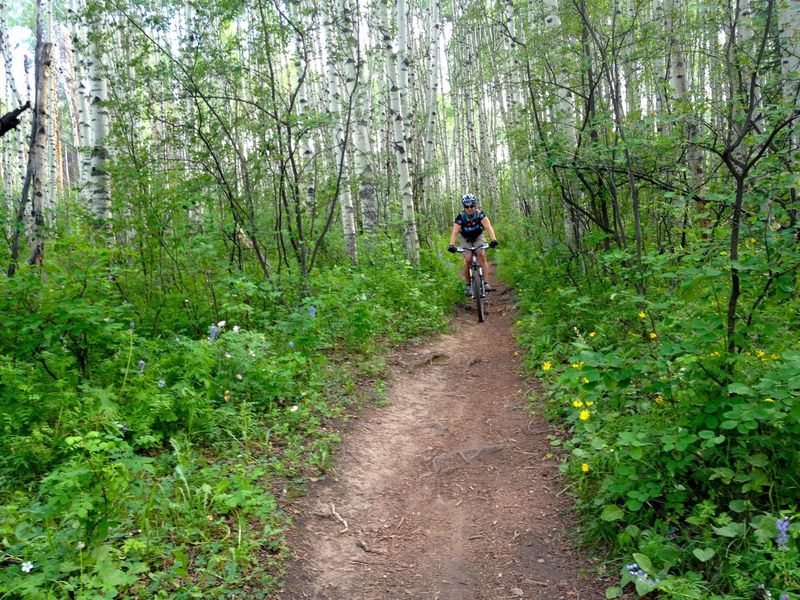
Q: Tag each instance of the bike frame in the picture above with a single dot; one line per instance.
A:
(476, 278)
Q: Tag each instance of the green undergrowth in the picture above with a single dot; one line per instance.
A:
(685, 457)
(151, 431)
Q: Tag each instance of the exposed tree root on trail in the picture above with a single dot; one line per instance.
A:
(451, 491)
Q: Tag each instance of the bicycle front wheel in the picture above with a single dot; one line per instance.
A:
(477, 293)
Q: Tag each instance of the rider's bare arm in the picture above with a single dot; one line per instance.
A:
(488, 226)
(454, 233)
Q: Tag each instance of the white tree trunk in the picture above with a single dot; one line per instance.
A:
(432, 97)
(100, 205)
(660, 75)
(789, 28)
(398, 142)
(39, 154)
(563, 117)
(12, 174)
(347, 39)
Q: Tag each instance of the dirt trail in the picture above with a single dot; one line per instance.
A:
(447, 491)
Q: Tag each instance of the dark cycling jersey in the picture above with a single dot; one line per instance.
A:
(471, 227)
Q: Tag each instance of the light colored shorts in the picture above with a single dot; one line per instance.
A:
(481, 239)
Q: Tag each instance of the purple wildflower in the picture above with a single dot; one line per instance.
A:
(312, 310)
(212, 332)
(161, 383)
(133, 325)
(291, 344)
(782, 525)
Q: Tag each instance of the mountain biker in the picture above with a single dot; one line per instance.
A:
(471, 223)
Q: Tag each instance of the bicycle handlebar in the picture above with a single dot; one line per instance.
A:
(473, 249)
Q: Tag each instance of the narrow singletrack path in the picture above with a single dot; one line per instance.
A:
(450, 491)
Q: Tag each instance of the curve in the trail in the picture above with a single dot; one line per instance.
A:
(450, 491)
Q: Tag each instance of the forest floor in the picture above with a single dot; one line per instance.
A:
(450, 490)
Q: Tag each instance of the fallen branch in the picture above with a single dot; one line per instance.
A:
(341, 520)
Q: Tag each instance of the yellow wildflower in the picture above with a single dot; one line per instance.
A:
(642, 314)
(577, 404)
(590, 404)
(592, 333)
(768, 400)
(585, 468)
(516, 354)
(578, 365)
(585, 380)
(227, 396)
(546, 366)
(653, 335)
(760, 353)
(584, 415)
(659, 399)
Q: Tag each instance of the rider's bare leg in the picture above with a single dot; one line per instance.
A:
(484, 265)
(467, 262)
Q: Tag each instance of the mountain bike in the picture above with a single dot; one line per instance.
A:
(476, 285)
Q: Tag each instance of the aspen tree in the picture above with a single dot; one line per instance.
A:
(70, 92)
(410, 237)
(11, 172)
(362, 144)
(680, 87)
(431, 99)
(564, 120)
(303, 44)
(100, 205)
(35, 182)
(348, 44)
(83, 141)
(39, 152)
(661, 75)
(789, 29)
(53, 124)
(17, 97)
(789, 32)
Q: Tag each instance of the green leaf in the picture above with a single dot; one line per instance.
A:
(703, 554)
(613, 592)
(741, 389)
(612, 512)
(758, 460)
(731, 530)
(738, 506)
(643, 587)
(644, 563)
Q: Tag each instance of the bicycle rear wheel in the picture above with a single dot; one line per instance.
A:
(477, 293)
